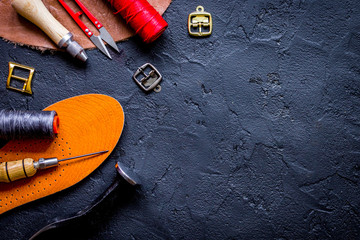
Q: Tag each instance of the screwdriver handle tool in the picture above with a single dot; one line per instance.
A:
(14, 170)
(36, 12)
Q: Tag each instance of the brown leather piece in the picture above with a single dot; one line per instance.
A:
(19, 30)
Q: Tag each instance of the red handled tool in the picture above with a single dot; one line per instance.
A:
(97, 40)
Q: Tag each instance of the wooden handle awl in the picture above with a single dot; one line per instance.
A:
(36, 12)
(13, 170)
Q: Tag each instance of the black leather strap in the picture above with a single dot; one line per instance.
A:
(61, 223)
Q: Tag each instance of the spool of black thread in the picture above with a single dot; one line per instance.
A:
(17, 124)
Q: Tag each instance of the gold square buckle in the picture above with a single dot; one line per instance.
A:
(27, 81)
(200, 20)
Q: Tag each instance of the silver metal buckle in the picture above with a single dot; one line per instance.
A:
(150, 80)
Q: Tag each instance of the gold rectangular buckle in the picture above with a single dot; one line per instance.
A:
(27, 81)
(199, 20)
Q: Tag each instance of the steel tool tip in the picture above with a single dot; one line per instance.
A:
(127, 174)
(82, 56)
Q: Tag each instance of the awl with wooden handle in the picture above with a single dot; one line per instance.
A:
(14, 170)
(36, 12)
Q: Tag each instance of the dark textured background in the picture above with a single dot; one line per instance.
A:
(255, 134)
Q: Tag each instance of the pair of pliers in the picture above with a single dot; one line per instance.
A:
(97, 40)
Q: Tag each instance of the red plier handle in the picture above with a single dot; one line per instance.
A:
(76, 17)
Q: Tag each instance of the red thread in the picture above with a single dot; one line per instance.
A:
(142, 17)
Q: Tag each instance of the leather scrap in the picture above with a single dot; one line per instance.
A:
(63, 222)
(19, 30)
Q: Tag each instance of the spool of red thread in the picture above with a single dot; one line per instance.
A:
(142, 17)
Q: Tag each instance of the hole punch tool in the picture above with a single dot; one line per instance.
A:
(96, 40)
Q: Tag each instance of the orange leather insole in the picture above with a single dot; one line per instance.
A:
(88, 123)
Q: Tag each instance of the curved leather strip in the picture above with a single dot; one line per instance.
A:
(126, 178)
(88, 123)
(60, 223)
(17, 29)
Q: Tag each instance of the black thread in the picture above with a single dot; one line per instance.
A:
(23, 162)
(15, 124)
(7, 172)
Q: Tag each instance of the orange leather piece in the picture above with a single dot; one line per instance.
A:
(17, 29)
(88, 123)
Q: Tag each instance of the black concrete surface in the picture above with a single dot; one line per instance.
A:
(254, 135)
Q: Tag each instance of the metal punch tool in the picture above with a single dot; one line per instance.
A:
(97, 40)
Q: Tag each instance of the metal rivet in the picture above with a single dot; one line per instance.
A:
(86, 30)
(89, 33)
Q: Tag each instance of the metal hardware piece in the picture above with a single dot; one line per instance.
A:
(27, 81)
(72, 47)
(150, 80)
(199, 20)
(44, 163)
